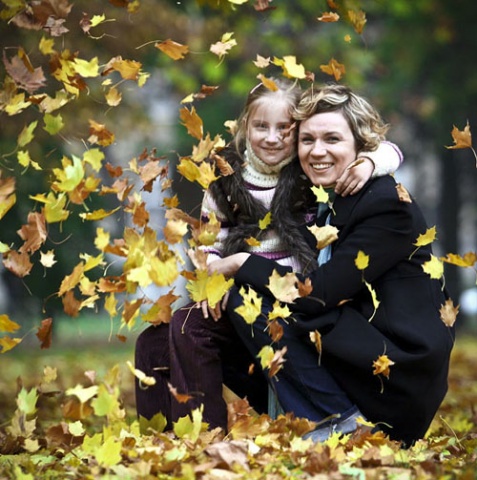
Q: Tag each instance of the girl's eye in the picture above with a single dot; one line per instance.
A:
(306, 140)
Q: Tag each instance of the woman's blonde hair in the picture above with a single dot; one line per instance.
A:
(365, 122)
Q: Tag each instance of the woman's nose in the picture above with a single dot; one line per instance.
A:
(318, 149)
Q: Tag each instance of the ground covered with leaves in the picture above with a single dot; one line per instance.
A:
(71, 415)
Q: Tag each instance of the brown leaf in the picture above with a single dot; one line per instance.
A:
(17, 263)
(33, 233)
(263, 5)
(334, 68)
(100, 134)
(71, 305)
(329, 17)
(44, 332)
(275, 330)
(22, 75)
(277, 361)
(191, 120)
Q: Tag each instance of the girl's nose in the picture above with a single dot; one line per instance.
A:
(272, 135)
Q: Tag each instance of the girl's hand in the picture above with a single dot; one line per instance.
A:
(228, 266)
(216, 312)
(354, 177)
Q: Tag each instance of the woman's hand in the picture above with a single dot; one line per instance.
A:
(354, 177)
(228, 266)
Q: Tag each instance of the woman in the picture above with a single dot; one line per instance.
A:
(406, 329)
(196, 354)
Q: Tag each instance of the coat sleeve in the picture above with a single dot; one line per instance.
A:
(380, 226)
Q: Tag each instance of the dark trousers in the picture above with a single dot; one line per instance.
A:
(302, 385)
(196, 356)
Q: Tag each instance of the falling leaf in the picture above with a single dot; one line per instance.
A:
(271, 359)
(222, 47)
(361, 261)
(329, 17)
(252, 242)
(172, 49)
(449, 313)
(47, 259)
(284, 288)
(382, 366)
(45, 332)
(403, 194)
(7, 325)
(325, 235)
(262, 62)
(100, 134)
(291, 69)
(192, 122)
(426, 238)
(374, 297)
(8, 343)
(85, 68)
(252, 305)
(279, 311)
(264, 222)
(26, 135)
(462, 138)
(23, 76)
(434, 267)
(267, 82)
(467, 260)
(334, 68)
(321, 194)
(358, 20)
(144, 380)
(180, 397)
(53, 124)
(315, 338)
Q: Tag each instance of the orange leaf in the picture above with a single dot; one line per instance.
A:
(192, 122)
(358, 20)
(334, 69)
(172, 49)
(462, 138)
(180, 397)
(466, 260)
(382, 366)
(403, 194)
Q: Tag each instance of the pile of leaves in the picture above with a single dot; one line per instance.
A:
(78, 424)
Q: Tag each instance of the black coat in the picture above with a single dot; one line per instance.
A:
(406, 326)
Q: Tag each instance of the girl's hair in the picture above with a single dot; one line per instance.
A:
(365, 122)
(287, 90)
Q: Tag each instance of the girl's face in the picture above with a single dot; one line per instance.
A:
(326, 147)
(269, 130)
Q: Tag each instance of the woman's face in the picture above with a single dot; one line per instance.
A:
(269, 130)
(326, 147)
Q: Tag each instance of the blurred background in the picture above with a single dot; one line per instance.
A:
(414, 60)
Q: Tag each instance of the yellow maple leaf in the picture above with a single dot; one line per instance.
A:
(98, 214)
(434, 267)
(144, 380)
(86, 69)
(284, 288)
(7, 343)
(449, 313)
(252, 242)
(26, 135)
(68, 178)
(426, 238)
(209, 287)
(172, 49)
(321, 194)
(252, 305)
(325, 235)
(163, 272)
(361, 261)
(113, 97)
(271, 359)
(290, 68)
(7, 325)
(466, 260)
(265, 221)
(279, 311)
(203, 174)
